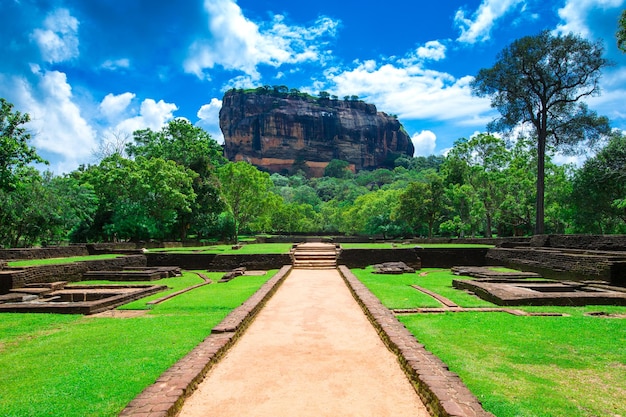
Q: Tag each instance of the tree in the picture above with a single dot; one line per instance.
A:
(193, 148)
(541, 80)
(484, 157)
(338, 168)
(138, 199)
(599, 190)
(245, 190)
(621, 32)
(14, 149)
(422, 203)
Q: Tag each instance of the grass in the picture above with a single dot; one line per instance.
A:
(395, 291)
(533, 366)
(572, 366)
(59, 261)
(248, 249)
(61, 365)
(411, 245)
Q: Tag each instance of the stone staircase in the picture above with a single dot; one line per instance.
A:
(314, 256)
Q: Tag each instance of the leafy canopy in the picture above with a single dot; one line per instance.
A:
(14, 149)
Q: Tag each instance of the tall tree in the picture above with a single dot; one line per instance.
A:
(193, 148)
(15, 152)
(541, 80)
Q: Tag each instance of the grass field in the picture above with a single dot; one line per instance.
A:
(388, 245)
(248, 249)
(67, 365)
(58, 261)
(573, 366)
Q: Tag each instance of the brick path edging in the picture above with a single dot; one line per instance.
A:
(166, 396)
(441, 390)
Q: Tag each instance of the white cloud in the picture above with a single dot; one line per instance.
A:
(116, 64)
(478, 28)
(237, 43)
(152, 114)
(209, 119)
(424, 143)
(434, 50)
(58, 40)
(575, 14)
(56, 121)
(113, 106)
(413, 92)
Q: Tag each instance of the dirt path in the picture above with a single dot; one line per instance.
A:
(310, 352)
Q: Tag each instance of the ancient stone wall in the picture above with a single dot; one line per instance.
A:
(591, 242)
(551, 263)
(43, 253)
(414, 257)
(18, 277)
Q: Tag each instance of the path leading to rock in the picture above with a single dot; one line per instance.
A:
(310, 352)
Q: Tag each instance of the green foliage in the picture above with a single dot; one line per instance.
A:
(193, 148)
(245, 190)
(337, 169)
(599, 190)
(15, 153)
(422, 203)
(621, 32)
(138, 199)
(42, 209)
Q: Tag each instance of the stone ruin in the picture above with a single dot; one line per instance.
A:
(394, 268)
(531, 289)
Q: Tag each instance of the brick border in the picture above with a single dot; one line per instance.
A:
(441, 390)
(166, 396)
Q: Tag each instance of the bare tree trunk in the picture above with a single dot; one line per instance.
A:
(541, 174)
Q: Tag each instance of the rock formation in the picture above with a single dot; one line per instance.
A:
(284, 132)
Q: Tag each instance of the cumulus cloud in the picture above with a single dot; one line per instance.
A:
(478, 27)
(237, 43)
(113, 106)
(412, 92)
(424, 143)
(209, 119)
(575, 14)
(56, 121)
(152, 114)
(58, 39)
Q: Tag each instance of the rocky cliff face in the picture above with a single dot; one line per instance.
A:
(284, 133)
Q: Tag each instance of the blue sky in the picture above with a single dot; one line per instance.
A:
(93, 71)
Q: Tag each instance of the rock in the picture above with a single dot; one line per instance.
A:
(392, 268)
(282, 132)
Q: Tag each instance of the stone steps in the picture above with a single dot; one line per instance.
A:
(314, 256)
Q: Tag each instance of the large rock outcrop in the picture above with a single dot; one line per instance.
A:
(282, 132)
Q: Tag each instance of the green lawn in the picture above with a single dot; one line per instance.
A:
(388, 245)
(58, 261)
(247, 249)
(64, 365)
(395, 291)
(573, 366)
